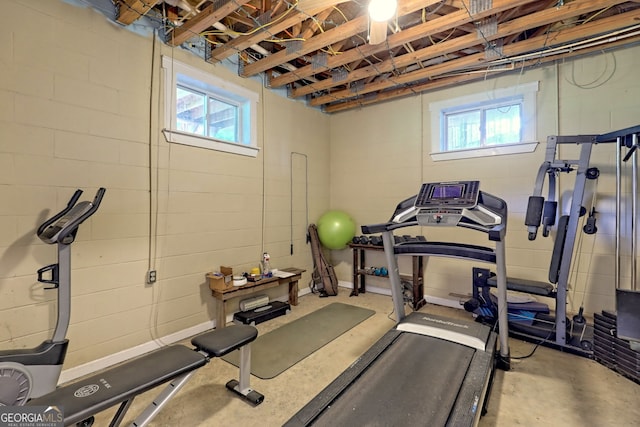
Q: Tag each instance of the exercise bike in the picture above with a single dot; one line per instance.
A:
(33, 372)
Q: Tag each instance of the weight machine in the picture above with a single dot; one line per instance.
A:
(537, 324)
(627, 299)
(574, 335)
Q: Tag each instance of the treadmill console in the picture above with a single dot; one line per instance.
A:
(458, 194)
(447, 204)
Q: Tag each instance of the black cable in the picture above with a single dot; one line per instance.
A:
(535, 347)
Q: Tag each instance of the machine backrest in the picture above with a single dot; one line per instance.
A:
(558, 248)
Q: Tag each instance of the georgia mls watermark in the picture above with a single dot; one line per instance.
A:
(31, 416)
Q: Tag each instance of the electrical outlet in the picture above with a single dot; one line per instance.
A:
(151, 276)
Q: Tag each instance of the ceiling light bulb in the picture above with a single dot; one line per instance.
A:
(382, 10)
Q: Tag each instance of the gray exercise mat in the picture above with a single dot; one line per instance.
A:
(278, 350)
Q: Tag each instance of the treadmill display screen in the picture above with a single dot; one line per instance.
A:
(447, 191)
(453, 194)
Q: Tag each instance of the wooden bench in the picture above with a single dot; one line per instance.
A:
(221, 296)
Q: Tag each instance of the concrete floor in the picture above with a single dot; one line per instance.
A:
(548, 389)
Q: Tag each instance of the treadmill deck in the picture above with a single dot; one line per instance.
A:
(443, 383)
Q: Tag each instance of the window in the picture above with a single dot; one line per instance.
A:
(474, 126)
(203, 114)
(205, 111)
(485, 125)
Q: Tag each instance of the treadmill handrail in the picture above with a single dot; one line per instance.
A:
(447, 249)
(386, 226)
(496, 233)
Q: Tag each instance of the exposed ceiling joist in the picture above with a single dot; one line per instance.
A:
(349, 29)
(535, 44)
(460, 43)
(423, 30)
(203, 20)
(131, 10)
(319, 49)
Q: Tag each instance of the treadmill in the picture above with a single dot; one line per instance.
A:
(428, 369)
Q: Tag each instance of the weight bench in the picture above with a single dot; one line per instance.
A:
(177, 363)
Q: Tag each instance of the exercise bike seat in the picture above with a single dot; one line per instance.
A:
(219, 342)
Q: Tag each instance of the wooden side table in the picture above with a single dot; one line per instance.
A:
(221, 296)
(293, 283)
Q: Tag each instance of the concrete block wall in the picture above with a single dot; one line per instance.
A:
(81, 107)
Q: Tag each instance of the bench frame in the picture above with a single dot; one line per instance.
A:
(175, 364)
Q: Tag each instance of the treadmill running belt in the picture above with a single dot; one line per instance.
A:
(413, 366)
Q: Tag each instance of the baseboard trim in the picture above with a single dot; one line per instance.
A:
(88, 368)
(386, 291)
(76, 372)
(124, 355)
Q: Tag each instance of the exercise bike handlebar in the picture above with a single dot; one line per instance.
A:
(62, 227)
(70, 204)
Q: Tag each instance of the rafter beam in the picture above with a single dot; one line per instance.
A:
(312, 6)
(205, 19)
(279, 23)
(131, 10)
(349, 29)
(476, 61)
(462, 78)
(242, 42)
(311, 27)
(426, 29)
(464, 42)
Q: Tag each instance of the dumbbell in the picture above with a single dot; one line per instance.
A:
(376, 240)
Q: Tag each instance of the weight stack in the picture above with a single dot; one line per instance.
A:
(613, 352)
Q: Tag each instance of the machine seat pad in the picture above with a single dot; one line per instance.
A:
(87, 397)
(532, 287)
(222, 341)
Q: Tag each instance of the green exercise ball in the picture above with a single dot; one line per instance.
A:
(336, 229)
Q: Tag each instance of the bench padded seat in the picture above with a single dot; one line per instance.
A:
(219, 342)
(94, 394)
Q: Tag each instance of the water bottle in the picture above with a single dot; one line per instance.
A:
(266, 265)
